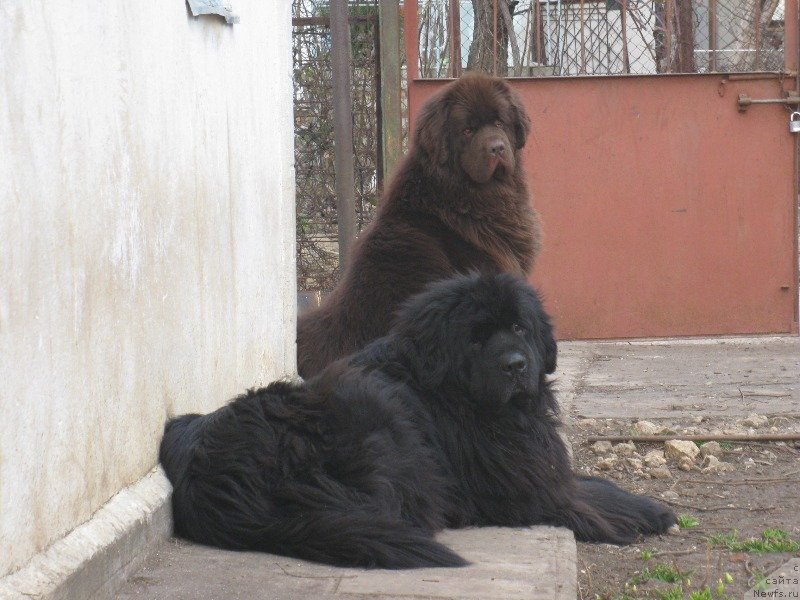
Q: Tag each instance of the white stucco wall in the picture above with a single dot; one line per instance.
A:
(146, 239)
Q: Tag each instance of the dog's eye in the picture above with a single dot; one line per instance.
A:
(467, 131)
(517, 329)
(498, 123)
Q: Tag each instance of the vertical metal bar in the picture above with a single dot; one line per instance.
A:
(391, 86)
(537, 39)
(494, 37)
(791, 53)
(583, 41)
(712, 35)
(791, 40)
(343, 128)
(455, 38)
(668, 18)
(626, 66)
(757, 23)
(376, 40)
(411, 35)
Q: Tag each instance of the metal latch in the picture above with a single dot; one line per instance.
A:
(792, 98)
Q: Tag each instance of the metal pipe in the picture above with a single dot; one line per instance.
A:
(583, 41)
(644, 439)
(455, 38)
(343, 128)
(758, 76)
(411, 35)
(390, 118)
(757, 22)
(744, 101)
(712, 35)
(494, 37)
(626, 65)
(668, 25)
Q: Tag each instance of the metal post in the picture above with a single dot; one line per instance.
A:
(668, 25)
(494, 37)
(411, 31)
(391, 88)
(455, 38)
(712, 35)
(757, 23)
(343, 128)
(583, 41)
(626, 65)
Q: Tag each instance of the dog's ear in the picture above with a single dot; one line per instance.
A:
(519, 117)
(431, 134)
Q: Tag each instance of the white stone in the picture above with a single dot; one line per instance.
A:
(635, 463)
(608, 463)
(755, 421)
(677, 449)
(710, 448)
(661, 473)
(711, 464)
(655, 458)
(624, 449)
(601, 447)
(647, 428)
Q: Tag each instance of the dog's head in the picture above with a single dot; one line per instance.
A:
(485, 335)
(474, 126)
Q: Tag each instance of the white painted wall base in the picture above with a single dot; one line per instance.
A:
(95, 558)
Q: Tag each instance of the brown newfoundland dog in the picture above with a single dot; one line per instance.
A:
(457, 203)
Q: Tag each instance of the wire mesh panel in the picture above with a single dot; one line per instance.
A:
(529, 38)
(317, 231)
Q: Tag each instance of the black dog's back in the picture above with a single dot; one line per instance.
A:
(239, 482)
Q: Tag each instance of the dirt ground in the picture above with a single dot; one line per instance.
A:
(756, 488)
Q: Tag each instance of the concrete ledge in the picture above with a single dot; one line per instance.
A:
(537, 563)
(93, 560)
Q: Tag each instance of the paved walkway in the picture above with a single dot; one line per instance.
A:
(684, 378)
(652, 379)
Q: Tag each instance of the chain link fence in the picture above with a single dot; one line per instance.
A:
(317, 227)
(529, 38)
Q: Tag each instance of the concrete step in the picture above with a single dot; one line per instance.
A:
(507, 564)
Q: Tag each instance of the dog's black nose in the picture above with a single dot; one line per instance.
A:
(513, 363)
(497, 147)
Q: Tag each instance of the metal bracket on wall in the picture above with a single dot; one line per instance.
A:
(792, 98)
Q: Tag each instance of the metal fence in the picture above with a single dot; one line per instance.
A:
(317, 234)
(532, 38)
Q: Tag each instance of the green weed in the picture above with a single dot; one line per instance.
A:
(772, 540)
(665, 573)
(673, 593)
(688, 522)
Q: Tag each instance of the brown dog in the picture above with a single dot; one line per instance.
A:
(457, 203)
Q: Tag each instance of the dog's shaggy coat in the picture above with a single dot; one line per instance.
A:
(458, 202)
(448, 421)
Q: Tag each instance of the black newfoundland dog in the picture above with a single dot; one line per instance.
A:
(458, 202)
(448, 421)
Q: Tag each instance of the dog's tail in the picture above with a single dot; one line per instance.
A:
(177, 446)
(217, 509)
(358, 540)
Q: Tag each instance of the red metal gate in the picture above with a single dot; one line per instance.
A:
(667, 210)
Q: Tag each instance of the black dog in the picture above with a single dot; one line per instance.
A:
(448, 421)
